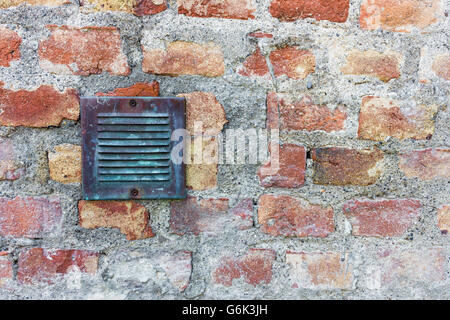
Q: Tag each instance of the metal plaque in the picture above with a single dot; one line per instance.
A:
(127, 148)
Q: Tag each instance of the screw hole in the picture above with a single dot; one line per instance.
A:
(133, 103)
(134, 193)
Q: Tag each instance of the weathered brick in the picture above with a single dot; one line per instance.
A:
(341, 166)
(382, 218)
(202, 176)
(255, 66)
(45, 265)
(156, 267)
(139, 89)
(291, 174)
(244, 210)
(384, 66)
(399, 15)
(131, 218)
(42, 107)
(65, 163)
(441, 66)
(444, 219)
(205, 216)
(31, 217)
(255, 267)
(203, 108)
(426, 164)
(49, 3)
(137, 7)
(229, 9)
(281, 215)
(285, 112)
(434, 64)
(6, 269)
(291, 10)
(401, 268)
(260, 35)
(292, 62)
(9, 46)
(320, 270)
(381, 118)
(185, 58)
(10, 169)
(83, 51)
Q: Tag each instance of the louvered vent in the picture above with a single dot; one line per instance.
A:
(127, 148)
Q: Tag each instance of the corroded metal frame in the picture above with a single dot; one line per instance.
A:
(92, 188)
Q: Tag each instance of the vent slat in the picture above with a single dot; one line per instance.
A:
(133, 121)
(135, 171)
(133, 143)
(133, 149)
(134, 178)
(130, 128)
(134, 135)
(130, 156)
(132, 115)
(133, 164)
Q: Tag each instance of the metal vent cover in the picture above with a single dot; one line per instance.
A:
(127, 148)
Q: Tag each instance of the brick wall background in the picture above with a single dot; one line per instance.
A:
(359, 89)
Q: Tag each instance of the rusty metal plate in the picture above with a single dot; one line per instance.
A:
(127, 148)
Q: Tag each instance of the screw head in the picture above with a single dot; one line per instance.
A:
(133, 103)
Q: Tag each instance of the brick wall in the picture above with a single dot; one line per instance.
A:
(358, 88)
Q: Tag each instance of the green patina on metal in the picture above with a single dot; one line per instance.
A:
(127, 148)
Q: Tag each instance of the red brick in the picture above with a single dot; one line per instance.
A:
(131, 218)
(384, 66)
(185, 58)
(287, 113)
(149, 7)
(291, 10)
(6, 269)
(426, 164)
(341, 166)
(31, 217)
(83, 51)
(255, 267)
(441, 66)
(44, 265)
(139, 89)
(42, 107)
(320, 270)
(50, 3)
(401, 268)
(399, 15)
(381, 118)
(444, 219)
(177, 267)
(291, 174)
(286, 216)
(206, 216)
(244, 210)
(9, 46)
(10, 169)
(292, 62)
(382, 218)
(203, 107)
(229, 9)
(254, 65)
